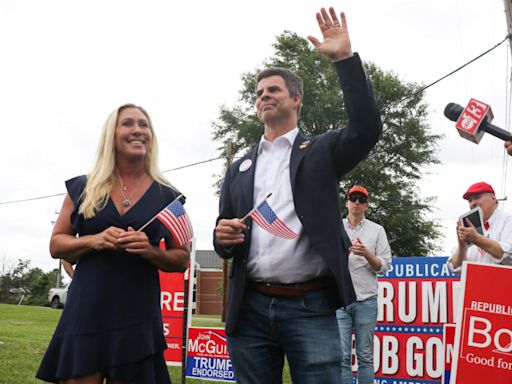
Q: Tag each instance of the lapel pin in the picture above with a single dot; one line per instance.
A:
(304, 145)
(245, 165)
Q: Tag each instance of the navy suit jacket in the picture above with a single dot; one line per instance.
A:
(316, 167)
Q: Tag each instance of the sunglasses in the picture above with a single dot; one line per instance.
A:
(362, 199)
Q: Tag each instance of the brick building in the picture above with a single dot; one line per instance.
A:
(208, 289)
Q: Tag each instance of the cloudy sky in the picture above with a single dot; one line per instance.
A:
(65, 65)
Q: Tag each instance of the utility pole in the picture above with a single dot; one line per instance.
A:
(59, 274)
(508, 15)
(225, 265)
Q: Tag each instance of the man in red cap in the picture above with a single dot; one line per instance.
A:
(495, 245)
(369, 256)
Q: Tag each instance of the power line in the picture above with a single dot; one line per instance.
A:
(62, 194)
(192, 164)
(31, 199)
(448, 75)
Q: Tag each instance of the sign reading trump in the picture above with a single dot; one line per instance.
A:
(416, 298)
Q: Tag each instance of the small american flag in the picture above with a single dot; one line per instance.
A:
(266, 218)
(176, 220)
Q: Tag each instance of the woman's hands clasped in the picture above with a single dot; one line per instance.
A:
(135, 242)
(106, 239)
(173, 259)
(130, 240)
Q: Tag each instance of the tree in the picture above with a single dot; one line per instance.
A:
(20, 280)
(39, 283)
(393, 170)
(13, 283)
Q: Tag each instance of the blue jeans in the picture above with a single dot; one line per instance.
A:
(304, 329)
(361, 317)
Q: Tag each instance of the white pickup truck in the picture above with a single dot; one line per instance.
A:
(57, 296)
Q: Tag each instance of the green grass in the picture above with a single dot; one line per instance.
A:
(24, 335)
(206, 321)
(26, 331)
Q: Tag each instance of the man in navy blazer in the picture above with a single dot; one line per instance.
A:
(283, 293)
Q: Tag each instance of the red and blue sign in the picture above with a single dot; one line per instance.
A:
(208, 356)
(416, 298)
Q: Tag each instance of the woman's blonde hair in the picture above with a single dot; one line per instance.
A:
(103, 178)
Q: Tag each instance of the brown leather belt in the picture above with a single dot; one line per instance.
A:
(289, 290)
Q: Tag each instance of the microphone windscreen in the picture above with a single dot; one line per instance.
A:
(453, 111)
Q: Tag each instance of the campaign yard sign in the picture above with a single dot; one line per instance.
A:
(416, 298)
(172, 305)
(208, 356)
(448, 340)
(483, 338)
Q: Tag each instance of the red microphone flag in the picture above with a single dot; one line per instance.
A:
(471, 118)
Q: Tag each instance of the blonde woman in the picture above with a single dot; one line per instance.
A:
(111, 328)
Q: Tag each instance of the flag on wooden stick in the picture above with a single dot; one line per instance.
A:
(266, 218)
(176, 220)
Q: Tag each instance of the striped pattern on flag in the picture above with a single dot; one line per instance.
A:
(266, 218)
(176, 220)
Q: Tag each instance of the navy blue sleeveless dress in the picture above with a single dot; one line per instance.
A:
(112, 321)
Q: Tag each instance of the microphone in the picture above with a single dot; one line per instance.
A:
(454, 112)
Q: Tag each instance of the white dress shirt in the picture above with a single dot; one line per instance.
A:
(364, 277)
(500, 230)
(271, 258)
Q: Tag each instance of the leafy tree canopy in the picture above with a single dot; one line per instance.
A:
(392, 172)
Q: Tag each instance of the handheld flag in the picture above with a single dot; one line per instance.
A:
(266, 218)
(176, 220)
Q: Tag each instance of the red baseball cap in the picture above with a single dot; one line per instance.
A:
(477, 188)
(358, 188)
